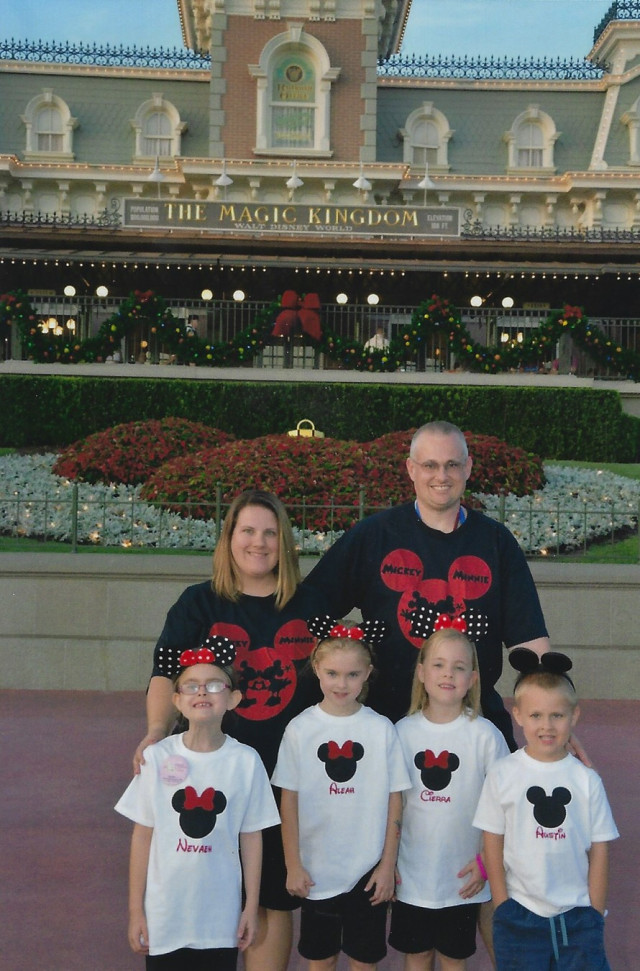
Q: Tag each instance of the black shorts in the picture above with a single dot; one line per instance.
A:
(273, 882)
(346, 923)
(450, 931)
(192, 959)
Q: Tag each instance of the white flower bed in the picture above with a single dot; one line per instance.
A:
(574, 504)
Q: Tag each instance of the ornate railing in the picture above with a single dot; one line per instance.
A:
(619, 10)
(476, 229)
(102, 55)
(488, 68)
(109, 218)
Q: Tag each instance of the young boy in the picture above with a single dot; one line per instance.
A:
(546, 823)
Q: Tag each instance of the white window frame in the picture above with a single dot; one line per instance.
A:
(533, 116)
(292, 40)
(48, 101)
(631, 119)
(157, 105)
(409, 135)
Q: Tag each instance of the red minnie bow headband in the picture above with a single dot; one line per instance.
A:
(371, 631)
(215, 650)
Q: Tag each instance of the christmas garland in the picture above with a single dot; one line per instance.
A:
(432, 319)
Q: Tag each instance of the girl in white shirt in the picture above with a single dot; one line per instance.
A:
(448, 749)
(341, 772)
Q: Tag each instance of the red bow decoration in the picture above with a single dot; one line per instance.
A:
(339, 630)
(297, 313)
(202, 656)
(193, 801)
(445, 620)
(335, 751)
(432, 761)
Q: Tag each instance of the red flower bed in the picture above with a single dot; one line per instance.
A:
(322, 470)
(130, 452)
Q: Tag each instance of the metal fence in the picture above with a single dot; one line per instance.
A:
(543, 528)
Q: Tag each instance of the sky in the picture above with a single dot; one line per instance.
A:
(499, 28)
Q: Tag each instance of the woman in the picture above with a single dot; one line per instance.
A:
(254, 598)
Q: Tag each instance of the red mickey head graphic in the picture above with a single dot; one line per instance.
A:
(267, 675)
(469, 578)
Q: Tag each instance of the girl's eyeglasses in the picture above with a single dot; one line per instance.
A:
(211, 687)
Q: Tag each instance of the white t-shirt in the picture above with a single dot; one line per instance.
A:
(197, 804)
(549, 813)
(343, 769)
(447, 764)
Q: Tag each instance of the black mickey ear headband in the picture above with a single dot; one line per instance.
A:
(526, 661)
(371, 631)
(215, 650)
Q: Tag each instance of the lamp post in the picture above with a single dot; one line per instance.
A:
(426, 183)
(156, 175)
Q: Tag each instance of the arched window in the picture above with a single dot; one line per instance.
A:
(49, 127)
(294, 79)
(530, 141)
(158, 129)
(426, 138)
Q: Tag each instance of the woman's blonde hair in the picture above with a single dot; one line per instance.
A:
(328, 644)
(419, 696)
(225, 580)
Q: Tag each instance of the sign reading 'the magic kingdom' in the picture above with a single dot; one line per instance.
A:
(237, 217)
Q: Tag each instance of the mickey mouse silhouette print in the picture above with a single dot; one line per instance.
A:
(198, 813)
(436, 770)
(340, 761)
(549, 811)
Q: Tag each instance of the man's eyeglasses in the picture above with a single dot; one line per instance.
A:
(211, 687)
(451, 466)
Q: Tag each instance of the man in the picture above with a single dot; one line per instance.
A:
(433, 562)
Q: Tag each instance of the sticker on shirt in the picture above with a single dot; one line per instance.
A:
(174, 770)
(267, 676)
(436, 772)
(340, 763)
(436, 603)
(198, 813)
(549, 811)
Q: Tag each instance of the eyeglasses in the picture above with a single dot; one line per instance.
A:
(211, 687)
(451, 466)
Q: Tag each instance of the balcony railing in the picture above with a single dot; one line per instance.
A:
(221, 320)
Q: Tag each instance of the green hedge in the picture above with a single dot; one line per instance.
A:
(553, 422)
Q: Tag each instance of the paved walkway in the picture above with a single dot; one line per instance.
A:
(63, 903)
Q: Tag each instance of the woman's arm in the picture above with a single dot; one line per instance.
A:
(299, 881)
(160, 716)
(598, 875)
(251, 856)
(383, 877)
(138, 866)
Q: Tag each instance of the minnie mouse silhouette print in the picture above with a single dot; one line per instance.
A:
(198, 813)
(340, 761)
(436, 770)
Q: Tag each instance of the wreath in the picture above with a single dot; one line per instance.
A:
(434, 319)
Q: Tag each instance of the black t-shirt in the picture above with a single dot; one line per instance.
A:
(391, 563)
(272, 651)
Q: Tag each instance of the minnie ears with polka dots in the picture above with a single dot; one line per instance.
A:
(371, 631)
(426, 620)
(526, 661)
(215, 650)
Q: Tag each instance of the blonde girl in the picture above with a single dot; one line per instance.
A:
(448, 748)
(340, 764)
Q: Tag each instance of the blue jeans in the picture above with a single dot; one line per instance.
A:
(573, 941)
